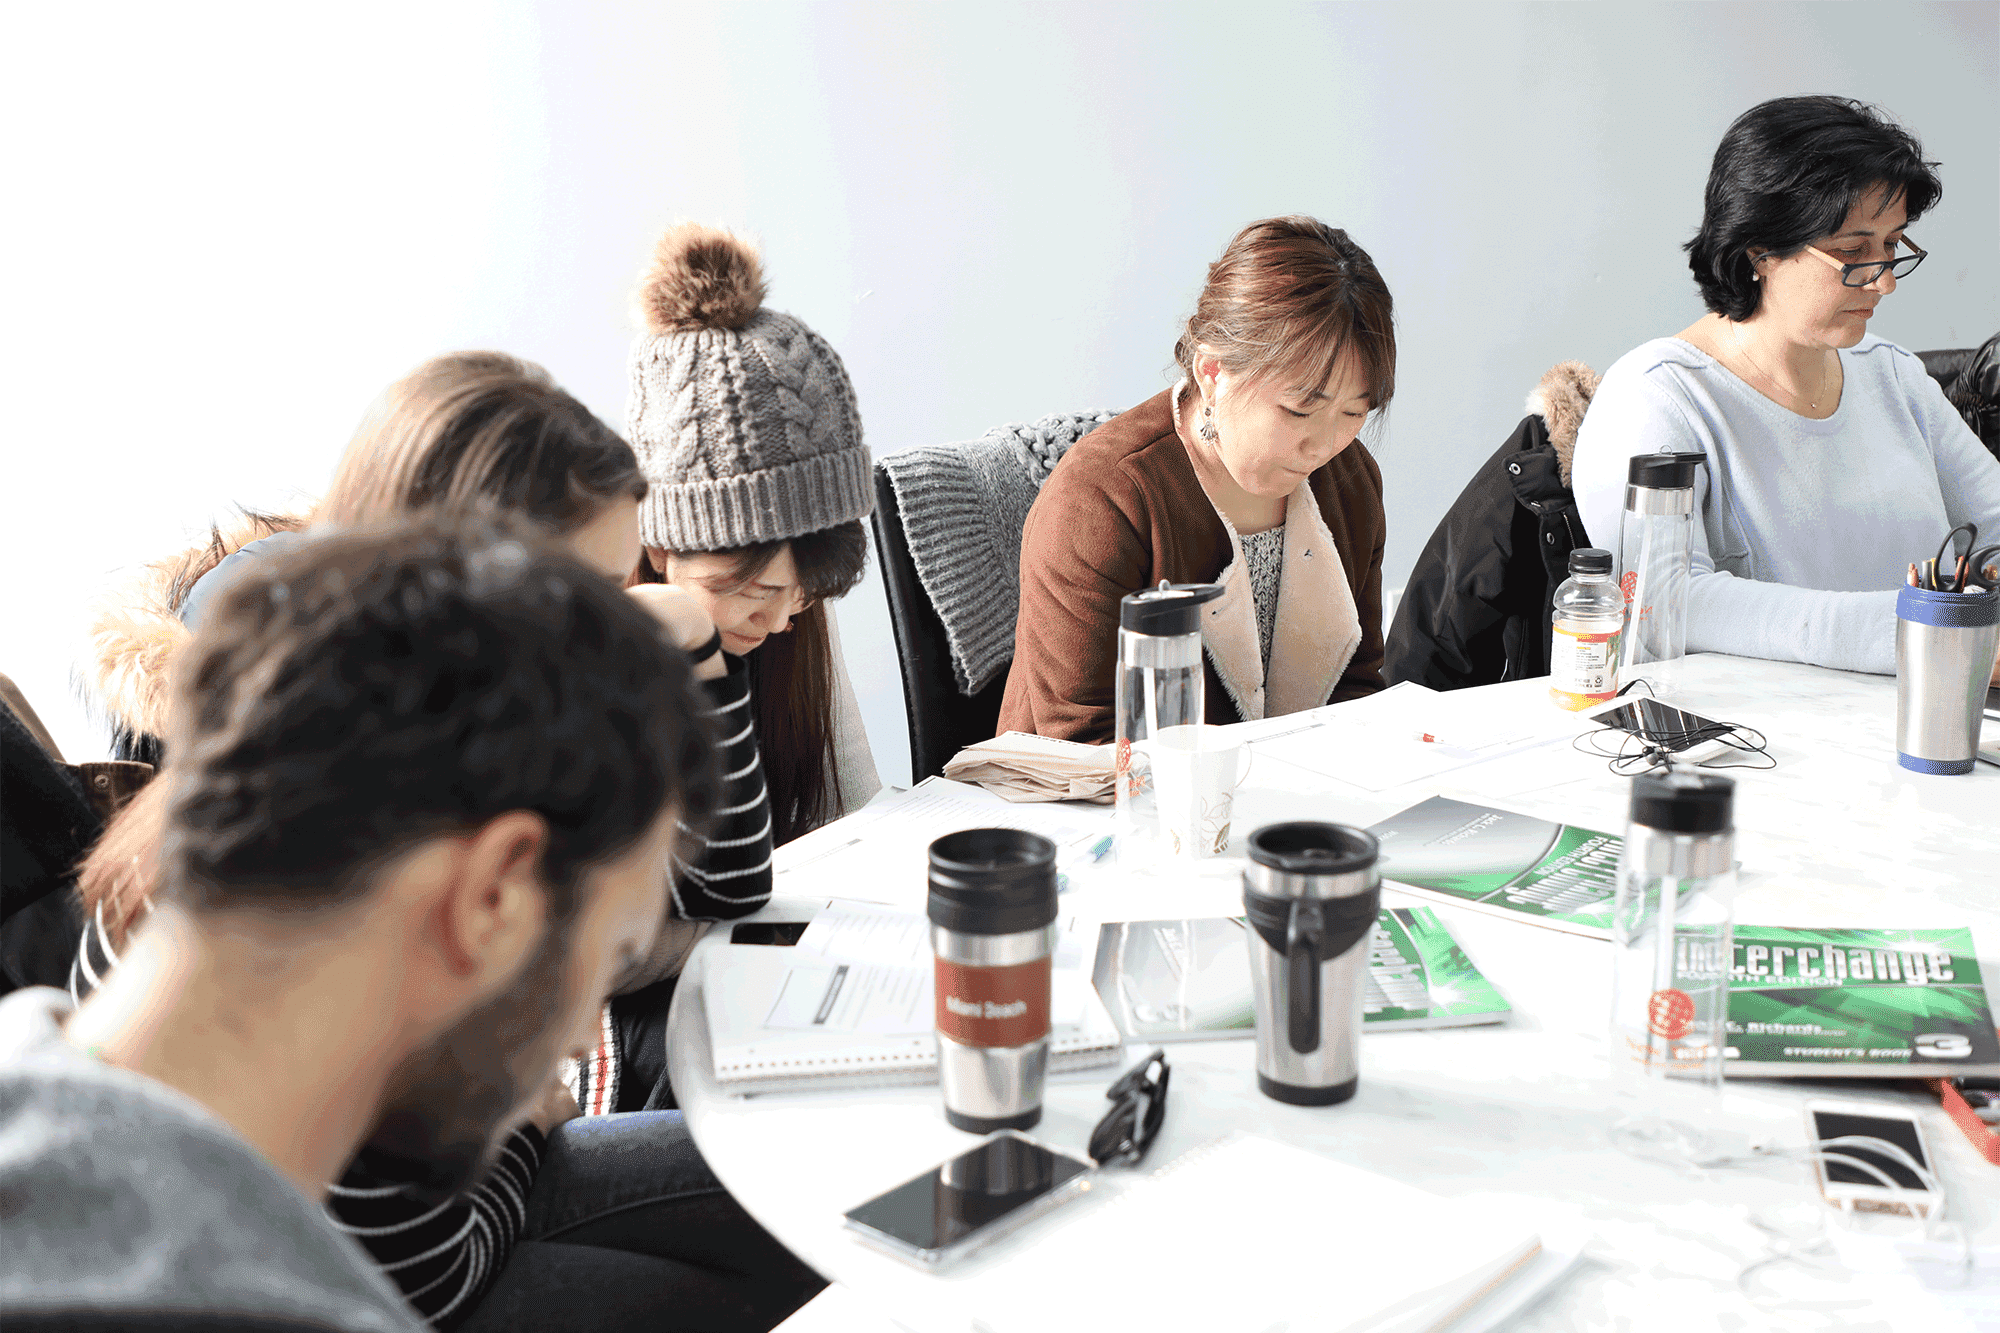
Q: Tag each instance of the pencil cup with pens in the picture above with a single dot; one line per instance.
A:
(1947, 635)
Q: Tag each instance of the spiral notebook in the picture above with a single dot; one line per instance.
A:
(787, 1019)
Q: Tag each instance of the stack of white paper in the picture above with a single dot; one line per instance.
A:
(882, 853)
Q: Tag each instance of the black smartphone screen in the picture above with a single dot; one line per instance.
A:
(972, 1190)
(1663, 724)
(767, 932)
(1902, 1133)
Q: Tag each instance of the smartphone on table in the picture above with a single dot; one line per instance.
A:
(971, 1200)
(1689, 735)
(1848, 1186)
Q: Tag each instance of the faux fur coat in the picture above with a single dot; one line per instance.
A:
(137, 629)
(1476, 608)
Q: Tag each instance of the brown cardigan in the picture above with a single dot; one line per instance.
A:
(1123, 510)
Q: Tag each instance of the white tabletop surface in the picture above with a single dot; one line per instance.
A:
(1835, 835)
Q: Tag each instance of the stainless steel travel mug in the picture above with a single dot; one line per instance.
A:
(1945, 642)
(993, 928)
(1311, 892)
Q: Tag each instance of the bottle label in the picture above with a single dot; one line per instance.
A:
(1583, 667)
(1670, 1013)
(993, 1006)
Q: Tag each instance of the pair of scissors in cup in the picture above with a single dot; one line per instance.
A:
(1971, 564)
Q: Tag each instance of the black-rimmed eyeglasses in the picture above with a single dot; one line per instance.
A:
(1863, 275)
(1139, 1104)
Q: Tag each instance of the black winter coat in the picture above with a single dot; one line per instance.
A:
(1476, 608)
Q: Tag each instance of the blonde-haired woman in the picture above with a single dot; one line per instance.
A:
(1247, 472)
(483, 431)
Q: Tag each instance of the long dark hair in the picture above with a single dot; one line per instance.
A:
(791, 675)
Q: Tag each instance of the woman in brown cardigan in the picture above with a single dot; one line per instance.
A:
(1246, 473)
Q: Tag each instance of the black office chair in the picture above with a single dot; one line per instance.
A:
(1970, 378)
(942, 721)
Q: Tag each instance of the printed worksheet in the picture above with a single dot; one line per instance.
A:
(824, 996)
(881, 854)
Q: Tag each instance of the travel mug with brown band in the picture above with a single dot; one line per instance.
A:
(993, 928)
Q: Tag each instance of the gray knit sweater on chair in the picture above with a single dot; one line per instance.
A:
(963, 506)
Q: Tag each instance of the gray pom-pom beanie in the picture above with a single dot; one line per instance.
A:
(743, 418)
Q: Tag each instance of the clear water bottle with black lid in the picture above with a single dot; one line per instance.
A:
(1160, 685)
(1655, 550)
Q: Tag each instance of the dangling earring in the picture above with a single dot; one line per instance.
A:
(1207, 427)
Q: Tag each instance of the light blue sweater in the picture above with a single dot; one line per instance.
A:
(1807, 527)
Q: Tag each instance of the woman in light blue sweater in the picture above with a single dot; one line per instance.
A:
(1833, 459)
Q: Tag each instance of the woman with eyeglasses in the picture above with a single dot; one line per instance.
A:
(749, 438)
(1833, 460)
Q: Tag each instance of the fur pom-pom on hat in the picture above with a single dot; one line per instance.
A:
(700, 278)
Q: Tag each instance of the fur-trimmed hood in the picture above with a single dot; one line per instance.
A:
(136, 627)
(1561, 399)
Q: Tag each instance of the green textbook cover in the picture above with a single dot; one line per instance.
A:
(1507, 864)
(1858, 1004)
(1188, 979)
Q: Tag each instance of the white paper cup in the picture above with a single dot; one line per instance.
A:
(1195, 775)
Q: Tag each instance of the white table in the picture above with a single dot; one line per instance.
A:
(1836, 834)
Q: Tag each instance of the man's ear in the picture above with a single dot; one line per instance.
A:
(491, 915)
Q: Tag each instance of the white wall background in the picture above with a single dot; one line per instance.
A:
(229, 227)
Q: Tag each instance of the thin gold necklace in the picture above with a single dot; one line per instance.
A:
(1737, 330)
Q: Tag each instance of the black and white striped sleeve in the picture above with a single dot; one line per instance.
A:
(729, 874)
(444, 1258)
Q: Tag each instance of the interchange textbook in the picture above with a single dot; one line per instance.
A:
(1511, 865)
(1858, 1004)
(1182, 980)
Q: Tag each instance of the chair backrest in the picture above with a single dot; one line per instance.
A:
(1970, 378)
(942, 721)
(951, 565)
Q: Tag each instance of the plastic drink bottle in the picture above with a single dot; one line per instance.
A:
(1656, 542)
(1589, 623)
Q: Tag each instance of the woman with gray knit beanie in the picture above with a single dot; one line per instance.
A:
(746, 428)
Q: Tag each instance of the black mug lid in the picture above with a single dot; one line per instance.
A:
(992, 881)
(1664, 472)
(1308, 847)
(1684, 802)
(1168, 610)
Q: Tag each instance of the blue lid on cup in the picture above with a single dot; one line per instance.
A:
(1948, 610)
